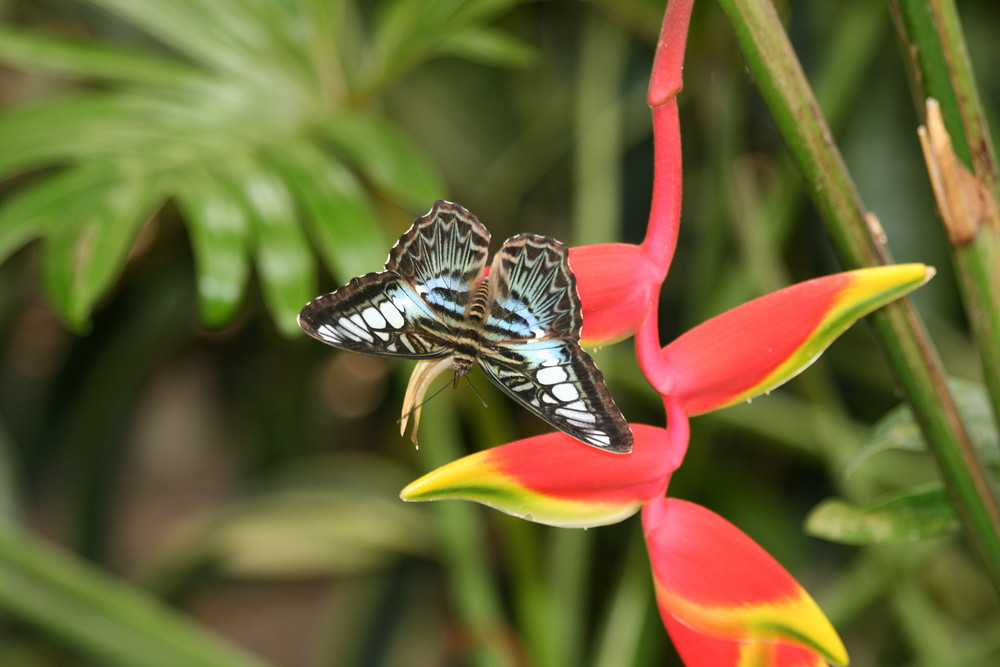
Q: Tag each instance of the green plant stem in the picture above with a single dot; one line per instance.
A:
(102, 617)
(621, 630)
(783, 85)
(939, 68)
(464, 544)
(598, 132)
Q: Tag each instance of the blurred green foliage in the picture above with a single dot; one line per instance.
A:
(184, 165)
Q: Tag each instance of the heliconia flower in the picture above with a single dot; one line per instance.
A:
(761, 344)
(555, 479)
(724, 600)
(618, 286)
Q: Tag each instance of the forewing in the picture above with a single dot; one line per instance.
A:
(377, 313)
(443, 256)
(559, 382)
(533, 292)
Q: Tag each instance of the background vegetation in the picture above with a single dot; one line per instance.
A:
(185, 480)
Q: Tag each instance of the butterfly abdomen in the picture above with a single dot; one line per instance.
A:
(477, 306)
(467, 340)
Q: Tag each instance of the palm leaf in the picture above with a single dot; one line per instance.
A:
(241, 112)
(219, 229)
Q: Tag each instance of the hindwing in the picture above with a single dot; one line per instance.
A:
(530, 344)
(559, 382)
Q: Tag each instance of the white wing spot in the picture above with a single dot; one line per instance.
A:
(548, 399)
(394, 317)
(600, 439)
(402, 303)
(582, 417)
(551, 375)
(405, 341)
(382, 334)
(373, 318)
(328, 332)
(355, 329)
(565, 392)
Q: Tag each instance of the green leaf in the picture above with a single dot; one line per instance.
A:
(208, 32)
(85, 59)
(10, 507)
(101, 617)
(283, 257)
(408, 33)
(312, 532)
(915, 514)
(329, 515)
(489, 46)
(219, 229)
(29, 211)
(59, 131)
(386, 158)
(340, 216)
(85, 250)
(899, 430)
(331, 31)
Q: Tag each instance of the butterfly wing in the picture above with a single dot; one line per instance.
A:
(530, 344)
(443, 256)
(557, 381)
(533, 292)
(377, 313)
(410, 309)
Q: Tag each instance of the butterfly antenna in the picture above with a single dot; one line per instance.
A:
(421, 404)
(476, 392)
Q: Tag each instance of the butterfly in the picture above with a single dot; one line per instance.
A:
(520, 323)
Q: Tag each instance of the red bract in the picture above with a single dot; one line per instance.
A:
(618, 284)
(724, 598)
(755, 347)
(554, 479)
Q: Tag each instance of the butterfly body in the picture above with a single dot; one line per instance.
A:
(521, 323)
(467, 340)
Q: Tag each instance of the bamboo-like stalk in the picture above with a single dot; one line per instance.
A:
(961, 163)
(859, 242)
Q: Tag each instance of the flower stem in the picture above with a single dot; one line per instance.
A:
(940, 70)
(858, 240)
